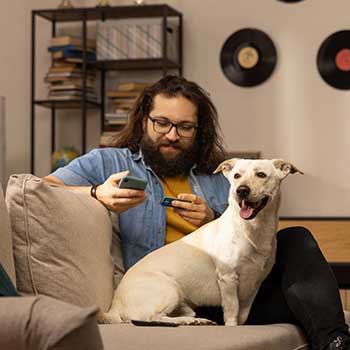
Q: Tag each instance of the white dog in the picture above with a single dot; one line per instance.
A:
(221, 263)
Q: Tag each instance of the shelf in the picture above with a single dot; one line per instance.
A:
(113, 127)
(135, 64)
(67, 104)
(108, 12)
(82, 15)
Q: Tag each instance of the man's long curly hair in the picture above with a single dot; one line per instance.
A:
(208, 139)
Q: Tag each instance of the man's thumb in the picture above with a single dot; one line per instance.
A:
(115, 178)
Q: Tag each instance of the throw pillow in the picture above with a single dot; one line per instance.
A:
(61, 242)
(44, 323)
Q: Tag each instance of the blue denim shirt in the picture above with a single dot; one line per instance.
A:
(142, 228)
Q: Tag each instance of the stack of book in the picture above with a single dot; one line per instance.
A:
(122, 101)
(65, 76)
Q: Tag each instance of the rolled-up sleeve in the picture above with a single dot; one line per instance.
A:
(83, 171)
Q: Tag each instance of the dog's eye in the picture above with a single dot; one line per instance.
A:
(237, 176)
(261, 175)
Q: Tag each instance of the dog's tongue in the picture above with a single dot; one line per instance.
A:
(246, 212)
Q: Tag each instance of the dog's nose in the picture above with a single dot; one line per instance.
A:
(243, 191)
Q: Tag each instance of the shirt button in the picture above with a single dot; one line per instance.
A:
(160, 231)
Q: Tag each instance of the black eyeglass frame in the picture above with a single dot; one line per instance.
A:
(171, 125)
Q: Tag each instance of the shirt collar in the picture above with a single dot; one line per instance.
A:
(137, 156)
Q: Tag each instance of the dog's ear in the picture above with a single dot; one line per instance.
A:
(226, 166)
(285, 167)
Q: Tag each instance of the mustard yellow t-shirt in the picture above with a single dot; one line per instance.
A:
(176, 226)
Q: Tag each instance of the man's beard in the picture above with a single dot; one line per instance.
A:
(181, 164)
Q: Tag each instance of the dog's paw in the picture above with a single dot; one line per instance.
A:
(202, 322)
(108, 318)
(231, 322)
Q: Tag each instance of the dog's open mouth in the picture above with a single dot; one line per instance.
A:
(249, 210)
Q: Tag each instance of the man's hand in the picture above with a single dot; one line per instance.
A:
(118, 199)
(196, 211)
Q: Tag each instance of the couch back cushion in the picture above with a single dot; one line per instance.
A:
(61, 242)
(6, 253)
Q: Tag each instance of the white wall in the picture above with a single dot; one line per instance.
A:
(294, 115)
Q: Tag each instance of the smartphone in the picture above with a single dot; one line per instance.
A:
(167, 201)
(132, 182)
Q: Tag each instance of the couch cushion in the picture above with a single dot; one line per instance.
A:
(6, 253)
(38, 323)
(271, 337)
(62, 241)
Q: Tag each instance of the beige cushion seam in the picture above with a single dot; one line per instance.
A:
(304, 346)
(29, 243)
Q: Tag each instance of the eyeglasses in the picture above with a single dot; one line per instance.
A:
(163, 126)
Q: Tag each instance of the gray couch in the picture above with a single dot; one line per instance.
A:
(61, 252)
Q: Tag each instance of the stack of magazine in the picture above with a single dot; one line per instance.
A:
(65, 76)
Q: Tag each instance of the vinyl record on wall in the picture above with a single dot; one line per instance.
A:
(333, 60)
(248, 57)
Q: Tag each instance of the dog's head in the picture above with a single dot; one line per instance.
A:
(255, 183)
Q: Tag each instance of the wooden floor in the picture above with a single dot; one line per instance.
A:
(333, 237)
(345, 298)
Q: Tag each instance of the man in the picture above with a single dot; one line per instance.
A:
(172, 140)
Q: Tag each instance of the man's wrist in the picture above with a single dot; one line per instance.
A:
(93, 191)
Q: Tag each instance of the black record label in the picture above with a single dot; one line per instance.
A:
(333, 60)
(248, 57)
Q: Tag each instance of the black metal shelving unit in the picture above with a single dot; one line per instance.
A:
(83, 15)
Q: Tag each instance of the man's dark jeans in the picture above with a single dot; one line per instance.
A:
(301, 289)
(7, 289)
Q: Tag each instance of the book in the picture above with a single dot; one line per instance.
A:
(74, 60)
(64, 98)
(132, 86)
(125, 106)
(73, 55)
(70, 87)
(69, 48)
(64, 75)
(68, 98)
(117, 116)
(123, 100)
(70, 40)
(67, 80)
(132, 94)
(121, 111)
(70, 92)
(59, 76)
(116, 122)
(72, 69)
(61, 64)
